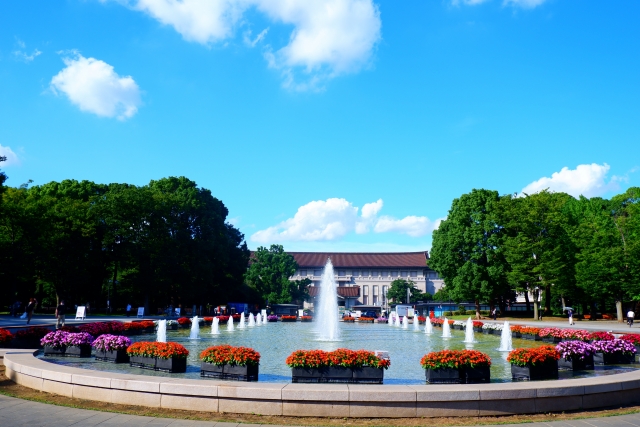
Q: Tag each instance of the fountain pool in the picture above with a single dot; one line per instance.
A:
(275, 341)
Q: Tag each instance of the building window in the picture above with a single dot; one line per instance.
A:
(375, 273)
(394, 274)
(375, 294)
(348, 272)
(317, 273)
(404, 273)
(413, 273)
(341, 273)
(365, 273)
(385, 289)
(365, 295)
(303, 272)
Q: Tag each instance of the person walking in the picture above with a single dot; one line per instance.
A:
(494, 314)
(61, 310)
(570, 317)
(30, 307)
(630, 316)
(128, 310)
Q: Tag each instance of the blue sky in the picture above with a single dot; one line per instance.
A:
(342, 125)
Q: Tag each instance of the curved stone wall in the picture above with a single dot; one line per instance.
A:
(325, 400)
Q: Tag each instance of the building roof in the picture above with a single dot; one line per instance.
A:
(343, 291)
(362, 259)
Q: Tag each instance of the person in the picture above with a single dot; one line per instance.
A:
(60, 312)
(570, 316)
(87, 307)
(630, 316)
(128, 310)
(30, 307)
(494, 313)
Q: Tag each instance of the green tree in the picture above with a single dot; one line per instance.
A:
(398, 292)
(269, 274)
(466, 252)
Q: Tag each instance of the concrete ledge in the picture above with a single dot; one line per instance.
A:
(324, 400)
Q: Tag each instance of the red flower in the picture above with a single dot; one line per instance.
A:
(454, 359)
(163, 350)
(5, 336)
(226, 354)
(532, 356)
(340, 357)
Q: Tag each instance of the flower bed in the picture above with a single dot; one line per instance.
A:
(111, 348)
(530, 333)
(551, 335)
(349, 319)
(339, 366)
(459, 325)
(227, 362)
(306, 319)
(382, 320)
(32, 333)
(5, 337)
(456, 367)
(534, 363)
(159, 356)
(363, 319)
(272, 318)
(422, 320)
(602, 336)
(575, 355)
(236, 317)
(612, 352)
(184, 322)
(287, 318)
(132, 328)
(477, 326)
(492, 328)
(225, 319)
(62, 343)
(437, 322)
(99, 328)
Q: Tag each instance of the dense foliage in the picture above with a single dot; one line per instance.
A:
(164, 243)
(583, 253)
(398, 292)
(229, 355)
(533, 356)
(455, 359)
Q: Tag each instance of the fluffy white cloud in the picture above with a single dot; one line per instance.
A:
(95, 87)
(12, 158)
(587, 180)
(332, 219)
(329, 37)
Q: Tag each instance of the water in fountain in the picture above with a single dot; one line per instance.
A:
(195, 329)
(416, 323)
(215, 327)
(252, 321)
(446, 329)
(258, 319)
(230, 324)
(241, 323)
(396, 321)
(162, 331)
(468, 332)
(428, 327)
(405, 322)
(505, 338)
(327, 312)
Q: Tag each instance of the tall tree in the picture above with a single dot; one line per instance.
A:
(398, 292)
(465, 250)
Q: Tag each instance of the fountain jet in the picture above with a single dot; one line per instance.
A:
(468, 332)
(195, 329)
(241, 324)
(162, 331)
(428, 327)
(230, 324)
(505, 338)
(327, 313)
(215, 326)
(252, 321)
(416, 323)
(446, 329)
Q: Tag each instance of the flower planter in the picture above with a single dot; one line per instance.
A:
(338, 374)
(576, 364)
(229, 372)
(113, 356)
(531, 337)
(307, 375)
(443, 376)
(477, 329)
(553, 340)
(288, 320)
(365, 321)
(308, 320)
(144, 362)
(539, 371)
(173, 364)
(476, 375)
(516, 335)
(25, 343)
(613, 358)
(68, 351)
(368, 374)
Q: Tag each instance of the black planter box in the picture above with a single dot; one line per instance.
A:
(113, 356)
(173, 327)
(307, 375)
(516, 335)
(288, 320)
(576, 364)
(613, 358)
(368, 374)
(443, 376)
(531, 337)
(553, 340)
(143, 362)
(338, 374)
(68, 351)
(229, 372)
(477, 329)
(476, 375)
(487, 331)
(173, 364)
(540, 371)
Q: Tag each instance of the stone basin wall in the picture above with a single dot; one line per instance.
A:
(325, 400)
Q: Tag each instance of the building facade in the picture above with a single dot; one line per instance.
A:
(365, 278)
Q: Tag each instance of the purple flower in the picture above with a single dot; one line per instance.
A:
(59, 339)
(272, 317)
(615, 346)
(109, 342)
(575, 349)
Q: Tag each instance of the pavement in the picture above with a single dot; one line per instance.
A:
(18, 412)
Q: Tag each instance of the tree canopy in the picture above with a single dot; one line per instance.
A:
(398, 292)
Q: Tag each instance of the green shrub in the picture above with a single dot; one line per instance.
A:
(462, 310)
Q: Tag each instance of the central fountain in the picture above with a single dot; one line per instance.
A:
(469, 338)
(506, 343)
(195, 329)
(215, 330)
(446, 329)
(327, 311)
(162, 331)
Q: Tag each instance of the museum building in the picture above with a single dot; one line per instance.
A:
(364, 278)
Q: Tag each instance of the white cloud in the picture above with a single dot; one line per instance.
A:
(24, 56)
(95, 87)
(525, 4)
(329, 37)
(256, 40)
(12, 158)
(332, 219)
(587, 180)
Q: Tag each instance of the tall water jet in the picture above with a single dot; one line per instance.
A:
(416, 323)
(405, 322)
(230, 324)
(258, 319)
(446, 329)
(327, 312)
(241, 323)
(215, 326)
(195, 329)
(391, 319)
(252, 321)
(505, 338)
(162, 331)
(428, 327)
(468, 332)
(397, 320)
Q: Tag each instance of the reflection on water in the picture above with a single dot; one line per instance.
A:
(275, 341)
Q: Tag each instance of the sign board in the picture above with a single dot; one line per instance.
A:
(140, 311)
(80, 312)
(300, 312)
(357, 314)
(410, 312)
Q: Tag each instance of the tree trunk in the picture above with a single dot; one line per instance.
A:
(619, 311)
(547, 300)
(113, 287)
(477, 304)
(535, 304)
(564, 303)
(526, 300)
